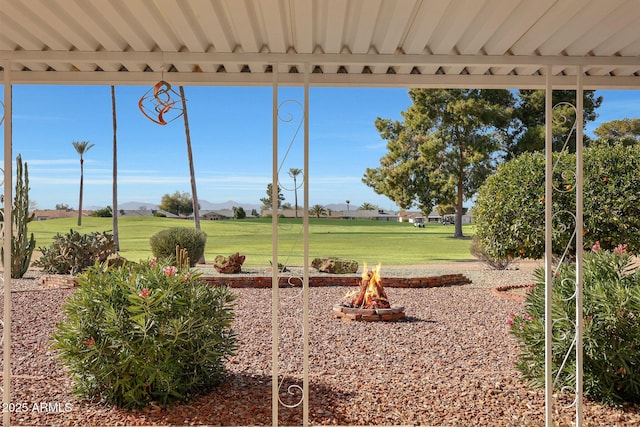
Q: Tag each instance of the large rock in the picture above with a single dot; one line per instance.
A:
(229, 264)
(335, 265)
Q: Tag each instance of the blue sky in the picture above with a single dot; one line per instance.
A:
(231, 140)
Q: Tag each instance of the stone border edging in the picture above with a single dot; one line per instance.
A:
(317, 281)
(60, 280)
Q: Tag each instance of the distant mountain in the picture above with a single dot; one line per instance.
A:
(340, 207)
(134, 206)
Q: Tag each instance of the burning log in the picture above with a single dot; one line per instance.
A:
(369, 302)
(370, 294)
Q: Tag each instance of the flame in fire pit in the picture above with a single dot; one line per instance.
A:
(370, 293)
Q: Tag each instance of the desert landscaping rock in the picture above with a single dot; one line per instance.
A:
(449, 363)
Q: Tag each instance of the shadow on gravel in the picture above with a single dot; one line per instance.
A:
(244, 399)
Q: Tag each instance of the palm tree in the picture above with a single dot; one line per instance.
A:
(367, 207)
(81, 148)
(116, 240)
(293, 173)
(348, 201)
(317, 210)
(194, 193)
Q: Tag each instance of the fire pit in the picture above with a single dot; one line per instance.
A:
(369, 302)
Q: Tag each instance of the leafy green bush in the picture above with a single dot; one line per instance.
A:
(509, 210)
(146, 333)
(73, 252)
(611, 336)
(163, 243)
(103, 213)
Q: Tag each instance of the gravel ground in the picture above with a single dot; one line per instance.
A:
(448, 364)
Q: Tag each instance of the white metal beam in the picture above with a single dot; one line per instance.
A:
(320, 80)
(6, 245)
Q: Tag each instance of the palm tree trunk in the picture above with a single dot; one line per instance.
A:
(295, 192)
(116, 239)
(81, 183)
(194, 193)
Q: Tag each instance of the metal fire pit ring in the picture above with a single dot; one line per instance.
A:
(392, 314)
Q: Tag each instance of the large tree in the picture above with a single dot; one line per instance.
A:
(177, 203)
(81, 148)
(444, 148)
(528, 132)
(618, 132)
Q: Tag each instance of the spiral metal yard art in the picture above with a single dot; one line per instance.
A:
(158, 104)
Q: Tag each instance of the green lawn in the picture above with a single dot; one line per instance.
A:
(389, 243)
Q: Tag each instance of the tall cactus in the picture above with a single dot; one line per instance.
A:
(21, 246)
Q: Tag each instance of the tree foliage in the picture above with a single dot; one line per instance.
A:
(267, 201)
(444, 148)
(366, 206)
(318, 210)
(239, 213)
(624, 132)
(509, 210)
(528, 132)
(106, 212)
(177, 203)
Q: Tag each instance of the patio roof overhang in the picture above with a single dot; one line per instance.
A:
(374, 43)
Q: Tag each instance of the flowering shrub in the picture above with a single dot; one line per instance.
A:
(145, 333)
(611, 311)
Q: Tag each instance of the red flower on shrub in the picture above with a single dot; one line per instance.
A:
(89, 342)
(170, 270)
(596, 246)
(621, 249)
(144, 293)
(153, 262)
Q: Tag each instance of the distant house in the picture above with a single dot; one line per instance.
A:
(434, 216)
(284, 213)
(218, 214)
(410, 217)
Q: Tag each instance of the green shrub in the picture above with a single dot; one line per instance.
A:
(148, 333)
(103, 213)
(509, 210)
(611, 336)
(163, 243)
(73, 252)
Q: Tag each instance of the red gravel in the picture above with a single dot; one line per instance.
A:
(449, 364)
